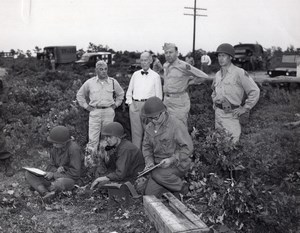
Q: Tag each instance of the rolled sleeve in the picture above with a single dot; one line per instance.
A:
(82, 94)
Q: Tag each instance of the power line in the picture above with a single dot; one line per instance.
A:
(194, 15)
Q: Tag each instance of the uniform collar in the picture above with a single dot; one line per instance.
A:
(102, 80)
(176, 62)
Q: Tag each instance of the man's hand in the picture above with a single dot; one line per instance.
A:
(165, 163)
(90, 108)
(1, 103)
(49, 175)
(239, 111)
(102, 180)
(60, 169)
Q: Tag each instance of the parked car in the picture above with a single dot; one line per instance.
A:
(287, 66)
(249, 56)
(90, 59)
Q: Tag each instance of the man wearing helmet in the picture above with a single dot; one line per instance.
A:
(64, 169)
(129, 159)
(177, 77)
(99, 91)
(168, 143)
(229, 86)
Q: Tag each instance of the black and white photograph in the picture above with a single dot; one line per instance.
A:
(139, 116)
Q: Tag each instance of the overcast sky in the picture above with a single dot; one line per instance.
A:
(138, 25)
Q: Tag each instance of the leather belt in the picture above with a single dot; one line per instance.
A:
(140, 100)
(102, 107)
(174, 94)
(221, 106)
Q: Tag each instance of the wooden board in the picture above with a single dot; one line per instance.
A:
(167, 220)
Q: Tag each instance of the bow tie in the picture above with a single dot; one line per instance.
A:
(144, 72)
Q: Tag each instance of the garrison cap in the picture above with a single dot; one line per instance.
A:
(101, 63)
(169, 45)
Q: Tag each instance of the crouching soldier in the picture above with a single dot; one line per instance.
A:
(168, 143)
(64, 169)
(129, 159)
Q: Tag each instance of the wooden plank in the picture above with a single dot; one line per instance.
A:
(185, 211)
(165, 220)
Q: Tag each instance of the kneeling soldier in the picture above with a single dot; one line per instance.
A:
(166, 142)
(64, 169)
(129, 159)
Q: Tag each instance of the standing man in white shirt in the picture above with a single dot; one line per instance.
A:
(205, 62)
(144, 84)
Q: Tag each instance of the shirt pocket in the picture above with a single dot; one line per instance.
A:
(229, 85)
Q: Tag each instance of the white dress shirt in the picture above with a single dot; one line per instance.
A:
(142, 87)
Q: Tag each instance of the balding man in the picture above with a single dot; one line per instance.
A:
(144, 84)
(104, 94)
(177, 76)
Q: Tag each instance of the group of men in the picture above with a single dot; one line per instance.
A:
(158, 117)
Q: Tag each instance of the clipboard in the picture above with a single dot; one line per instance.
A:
(35, 171)
(148, 170)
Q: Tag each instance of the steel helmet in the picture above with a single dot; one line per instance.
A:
(113, 129)
(226, 48)
(152, 107)
(59, 134)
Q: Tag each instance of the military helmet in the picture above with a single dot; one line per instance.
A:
(152, 107)
(226, 48)
(59, 134)
(113, 129)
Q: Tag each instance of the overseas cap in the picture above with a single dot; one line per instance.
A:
(101, 63)
(169, 45)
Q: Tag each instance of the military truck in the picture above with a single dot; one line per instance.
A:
(62, 54)
(250, 57)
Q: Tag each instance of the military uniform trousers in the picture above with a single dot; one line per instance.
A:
(97, 119)
(178, 105)
(137, 128)
(163, 180)
(59, 184)
(230, 123)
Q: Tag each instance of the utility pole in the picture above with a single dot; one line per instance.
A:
(194, 15)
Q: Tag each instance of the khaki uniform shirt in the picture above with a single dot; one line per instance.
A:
(178, 75)
(232, 85)
(170, 140)
(100, 93)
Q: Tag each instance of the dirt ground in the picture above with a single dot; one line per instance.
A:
(22, 210)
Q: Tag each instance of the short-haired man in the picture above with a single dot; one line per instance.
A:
(64, 169)
(143, 84)
(177, 76)
(205, 62)
(229, 86)
(129, 159)
(100, 91)
(168, 143)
